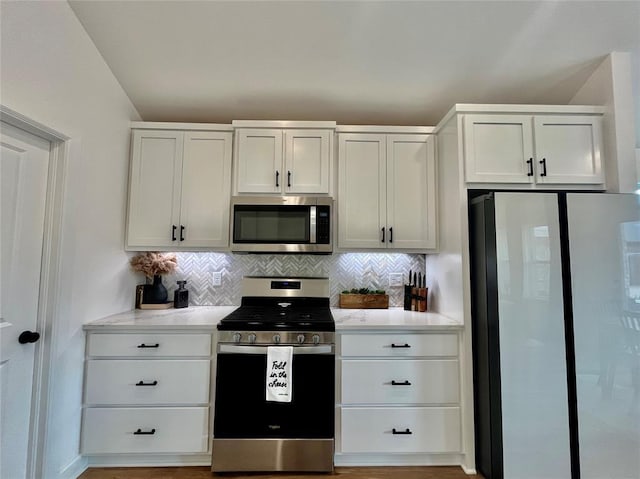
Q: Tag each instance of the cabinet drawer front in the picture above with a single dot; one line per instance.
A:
(400, 382)
(400, 345)
(433, 430)
(135, 381)
(149, 345)
(177, 430)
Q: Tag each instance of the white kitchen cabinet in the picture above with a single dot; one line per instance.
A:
(283, 160)
(147, 392)
(528, 149)
(179, 192)
(398, 397)
(387, 191)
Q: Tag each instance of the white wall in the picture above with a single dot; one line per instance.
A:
(52, 73)
(610, 86)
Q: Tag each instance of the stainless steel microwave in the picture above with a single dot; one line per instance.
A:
(283, 224)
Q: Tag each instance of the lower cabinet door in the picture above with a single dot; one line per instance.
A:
(145, 430)
(401, 430)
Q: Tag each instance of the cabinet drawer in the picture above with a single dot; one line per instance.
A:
(117, 381)
(427, 381)
(177, 430)
(149, 345)
(399, 345)
(433, 430)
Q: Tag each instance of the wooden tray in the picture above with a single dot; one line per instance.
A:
(364, 301)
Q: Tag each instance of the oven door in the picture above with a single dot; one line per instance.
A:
(241, 408)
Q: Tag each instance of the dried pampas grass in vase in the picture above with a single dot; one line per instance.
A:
(153, 265)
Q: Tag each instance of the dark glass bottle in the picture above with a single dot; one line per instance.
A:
(181, 296)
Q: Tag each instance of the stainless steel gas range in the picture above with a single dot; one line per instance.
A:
(252, 431)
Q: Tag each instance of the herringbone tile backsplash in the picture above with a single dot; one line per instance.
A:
(344, 270)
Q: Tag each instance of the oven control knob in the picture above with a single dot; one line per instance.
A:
(252, 338)
(300, 338)
(316, 339)
(236, 337)
(276, 338)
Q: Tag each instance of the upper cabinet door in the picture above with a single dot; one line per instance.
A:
(498, 149)
(259, 161)
(362, 188)
(206, 184)
(411, 191)
(307, 161)
(154, 189)
(568, 149)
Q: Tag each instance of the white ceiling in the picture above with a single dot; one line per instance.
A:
(377, 62)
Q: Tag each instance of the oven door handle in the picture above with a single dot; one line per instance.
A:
(232, 348)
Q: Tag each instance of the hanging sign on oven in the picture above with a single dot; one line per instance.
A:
(279, 359)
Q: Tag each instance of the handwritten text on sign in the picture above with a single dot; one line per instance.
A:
(278, 375)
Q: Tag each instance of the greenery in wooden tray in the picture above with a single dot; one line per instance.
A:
(363, 291)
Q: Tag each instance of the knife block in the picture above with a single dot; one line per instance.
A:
(422, 299)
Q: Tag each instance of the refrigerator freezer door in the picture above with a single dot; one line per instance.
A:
(535, 420)
(604, 234)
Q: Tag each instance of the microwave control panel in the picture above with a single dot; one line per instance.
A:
(323, 224)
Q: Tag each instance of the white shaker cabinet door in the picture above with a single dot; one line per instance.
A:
(206, 184)
(362, 191)
(259, 161)
(568, 149)
(307, 154)
(411, 191)
(498, 149)
(154, 191)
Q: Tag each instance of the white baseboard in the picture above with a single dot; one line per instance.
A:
(149, 460)
(469, 471)
(398, 460)
(74, 469)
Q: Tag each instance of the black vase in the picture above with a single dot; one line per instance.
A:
(155, 293)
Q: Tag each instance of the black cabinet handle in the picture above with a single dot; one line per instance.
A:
(141, 432)
(405, 345)
(157, 345)
(406, 431)
(403, 383)
(181, 233)
(289, 179)
(142, 383)
(173, 232)
(543, 162)
(28, 337)
(530, 165)
(391, 235)
(382, 235)
(277, 178)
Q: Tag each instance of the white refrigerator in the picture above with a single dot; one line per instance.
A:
(556, 334)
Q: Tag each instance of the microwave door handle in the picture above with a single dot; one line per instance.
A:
(312, 224)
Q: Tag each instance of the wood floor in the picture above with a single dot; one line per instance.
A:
(439, 472)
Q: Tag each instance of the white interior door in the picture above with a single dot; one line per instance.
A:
(24, 166)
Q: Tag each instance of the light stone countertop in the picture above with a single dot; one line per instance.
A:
(207, 317)
(391, 319)
(193, 317)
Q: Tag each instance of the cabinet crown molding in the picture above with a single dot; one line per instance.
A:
(161, 125)
(283, 124)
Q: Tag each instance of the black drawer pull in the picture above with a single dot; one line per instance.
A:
(403, 383)
(142, 383)
(406, 431)
(157, 345)
(140, 432)
(405, 345)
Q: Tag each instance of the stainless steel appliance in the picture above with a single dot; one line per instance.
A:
(283, 224)
(557, 383)
(251, 433)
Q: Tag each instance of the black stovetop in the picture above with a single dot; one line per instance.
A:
(281, 314)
